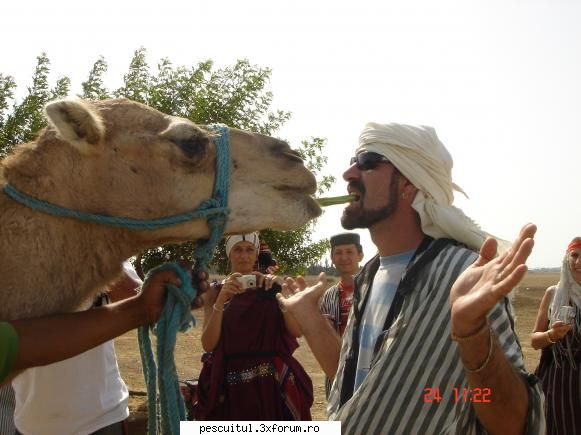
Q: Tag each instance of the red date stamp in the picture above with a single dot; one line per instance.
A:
(472, 395)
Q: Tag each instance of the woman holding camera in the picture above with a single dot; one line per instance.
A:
(250, 373)
(558, 333)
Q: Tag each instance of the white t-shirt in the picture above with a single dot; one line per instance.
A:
(130, 271)
(76, 396)
(381, 296)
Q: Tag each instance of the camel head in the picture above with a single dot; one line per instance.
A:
(122, 158)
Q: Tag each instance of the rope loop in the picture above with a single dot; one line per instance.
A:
(176, 314)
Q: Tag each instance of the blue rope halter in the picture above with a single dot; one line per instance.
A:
(214, 207)
(176, 314)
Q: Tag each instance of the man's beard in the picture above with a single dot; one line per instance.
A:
(361, 218)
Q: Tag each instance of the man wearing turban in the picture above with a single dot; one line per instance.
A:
(430, 345)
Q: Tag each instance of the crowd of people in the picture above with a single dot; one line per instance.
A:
(430, 311)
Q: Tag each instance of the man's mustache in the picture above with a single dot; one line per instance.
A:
(357, 185)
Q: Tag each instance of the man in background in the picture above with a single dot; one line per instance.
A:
(346, 254)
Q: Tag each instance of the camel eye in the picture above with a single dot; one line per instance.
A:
(192, 141)
(193, 146)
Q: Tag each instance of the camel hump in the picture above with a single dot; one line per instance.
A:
(76, 122)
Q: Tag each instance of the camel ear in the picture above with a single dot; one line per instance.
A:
(76, 122)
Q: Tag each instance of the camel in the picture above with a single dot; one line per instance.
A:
(122, 158)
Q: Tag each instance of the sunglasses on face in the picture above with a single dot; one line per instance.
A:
(368, 160)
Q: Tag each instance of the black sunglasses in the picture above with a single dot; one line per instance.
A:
(368, 160)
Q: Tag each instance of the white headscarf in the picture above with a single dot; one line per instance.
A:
(419, 155)
(236, 238)
(568, 292)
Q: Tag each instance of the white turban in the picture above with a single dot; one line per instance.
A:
(419, 155)
(236, 238)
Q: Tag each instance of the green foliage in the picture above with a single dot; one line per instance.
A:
(315, 160)
(234, 95)
(27, 117)
(93, 87)
(7, 85)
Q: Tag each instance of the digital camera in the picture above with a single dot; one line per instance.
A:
(566, 314)
(247, 281)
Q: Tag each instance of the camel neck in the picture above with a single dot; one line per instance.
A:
(78, 259)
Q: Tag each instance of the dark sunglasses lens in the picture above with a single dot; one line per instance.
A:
(368, 160)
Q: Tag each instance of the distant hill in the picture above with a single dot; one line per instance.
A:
(545, 269)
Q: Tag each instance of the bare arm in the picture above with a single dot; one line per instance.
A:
(291, 324)
(67, 335)
(542, 335)
(472, 297)
(209, 299)
(213, 326)
(322, 339)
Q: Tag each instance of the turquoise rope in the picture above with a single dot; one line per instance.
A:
(206, 210)
(214, 208)
(176, 314)
(171, 410)
(165, 416)
(204, 251)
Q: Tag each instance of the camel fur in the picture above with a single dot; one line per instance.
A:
(122, 158)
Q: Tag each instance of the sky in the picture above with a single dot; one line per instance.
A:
(500, 81)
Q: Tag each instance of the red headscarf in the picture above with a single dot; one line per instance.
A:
(574, 245)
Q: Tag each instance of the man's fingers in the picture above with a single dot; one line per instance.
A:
(291, 284)
(260, 280)
(198, 302)
(202, 286)
(200, 281)
(165, 276)
(527, 232)
(202, 275)
(487, 251)
(504, 287)
(301, 282)
(520, 256)
(286, 291)
(319, 288)
(281, 299)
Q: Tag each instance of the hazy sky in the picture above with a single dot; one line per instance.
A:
(499, 80)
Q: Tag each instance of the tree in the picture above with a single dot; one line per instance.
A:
(93, 87)
(234, 95)
(26, 118)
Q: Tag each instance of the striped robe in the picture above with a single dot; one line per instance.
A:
(416, 353)
(330, 304)
(7, 410)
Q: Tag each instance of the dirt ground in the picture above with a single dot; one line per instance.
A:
(188, 352)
